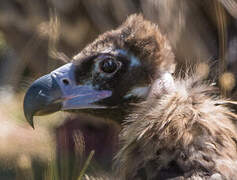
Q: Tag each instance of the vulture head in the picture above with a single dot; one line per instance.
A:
(107, 76)
(179, 131)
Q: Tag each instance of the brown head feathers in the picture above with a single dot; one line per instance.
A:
(139, 37)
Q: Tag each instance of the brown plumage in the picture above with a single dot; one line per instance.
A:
(179, 133)
(140, 37)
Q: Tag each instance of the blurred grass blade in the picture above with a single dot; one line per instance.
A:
(86, 165)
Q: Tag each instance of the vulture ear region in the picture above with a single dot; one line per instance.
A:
(163, 85)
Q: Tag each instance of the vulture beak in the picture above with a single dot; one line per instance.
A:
(58, 91)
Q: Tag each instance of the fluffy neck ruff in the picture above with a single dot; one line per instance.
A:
(185, 132)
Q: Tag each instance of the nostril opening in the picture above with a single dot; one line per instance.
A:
(65, 82)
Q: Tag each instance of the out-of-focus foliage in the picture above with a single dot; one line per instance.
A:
(3, 42)
(21, 147)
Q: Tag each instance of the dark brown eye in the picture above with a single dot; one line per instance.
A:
(109, 65)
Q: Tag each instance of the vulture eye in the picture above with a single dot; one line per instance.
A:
(109, 65)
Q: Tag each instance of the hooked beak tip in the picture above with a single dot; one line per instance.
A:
(31, 122)
(29, 118)
(39, 98)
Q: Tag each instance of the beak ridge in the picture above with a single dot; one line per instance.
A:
(50, 93)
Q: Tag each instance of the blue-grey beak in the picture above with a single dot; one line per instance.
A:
(58, 91)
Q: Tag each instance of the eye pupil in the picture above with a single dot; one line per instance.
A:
(109, 66)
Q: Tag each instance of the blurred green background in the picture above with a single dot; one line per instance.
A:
(36, 36)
